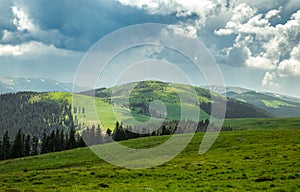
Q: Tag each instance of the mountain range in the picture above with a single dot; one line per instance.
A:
(277, 104)
(13, 85)
(241, 102)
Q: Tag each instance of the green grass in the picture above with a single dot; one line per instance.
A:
(276, 104)
(263, 123)
(259, 158)
(53, 96)
(107, 115)
(97, 111)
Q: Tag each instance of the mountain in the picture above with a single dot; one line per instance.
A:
(279, 105)
(13, 85)
(38, 112)
(143, 93)
(222, 90)
(283, 97)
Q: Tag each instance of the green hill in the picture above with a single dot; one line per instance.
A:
(143, 93)
(274, 105)
(247, 160)
(36, 113)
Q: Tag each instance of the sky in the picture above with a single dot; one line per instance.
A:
(256, 44)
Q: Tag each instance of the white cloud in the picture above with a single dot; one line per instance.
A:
(261, 4)
(242, 13)
(291, 66)
(22, 20)
(260, 62)
(184, 30)
(273, 13)
(261, 39)
(181, 8)
(268, 80)
(271, 43)
(31, 48)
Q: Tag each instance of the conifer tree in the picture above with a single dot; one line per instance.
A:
(18, 145)
(6, 145)
(98, 135)
(27, 146)
(44, 147)
(34, 146)
(51, 144)
(62, 143)
(57, 141)
(1, 150)
(72, 140)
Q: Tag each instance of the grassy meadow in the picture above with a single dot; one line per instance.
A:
(258, 157)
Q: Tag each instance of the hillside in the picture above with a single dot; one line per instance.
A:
(276, 104)
(283, 97)
(252, 160)
(37, 112)
(34, 113)
(143, 93)
(279, 106)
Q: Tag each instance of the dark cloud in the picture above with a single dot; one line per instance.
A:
(77, 25)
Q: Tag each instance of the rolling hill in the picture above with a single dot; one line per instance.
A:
(143, 93)
(261, 155)
(248, 160)
(279, 106)
(283, 97)
(103, 108)
(84, 106)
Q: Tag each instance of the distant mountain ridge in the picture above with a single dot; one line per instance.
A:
(13, 85)
(222, 90)
(279, 106)
(231, 91)
(252, 103)
(241, 102)
(144, 92)
(35, 106)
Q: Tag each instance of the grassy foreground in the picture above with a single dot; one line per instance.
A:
(247, 160)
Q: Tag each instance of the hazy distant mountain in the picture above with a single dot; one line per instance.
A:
(283, 97)
(34, 84)
(223, 90)
(279, 105)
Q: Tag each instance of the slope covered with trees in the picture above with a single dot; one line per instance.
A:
(26, 145)
(34, 113)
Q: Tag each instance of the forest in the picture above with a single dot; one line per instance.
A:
(33, 114)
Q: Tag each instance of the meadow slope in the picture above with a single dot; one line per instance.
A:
(256, 159)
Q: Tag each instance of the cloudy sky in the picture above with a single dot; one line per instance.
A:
(256, 44)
